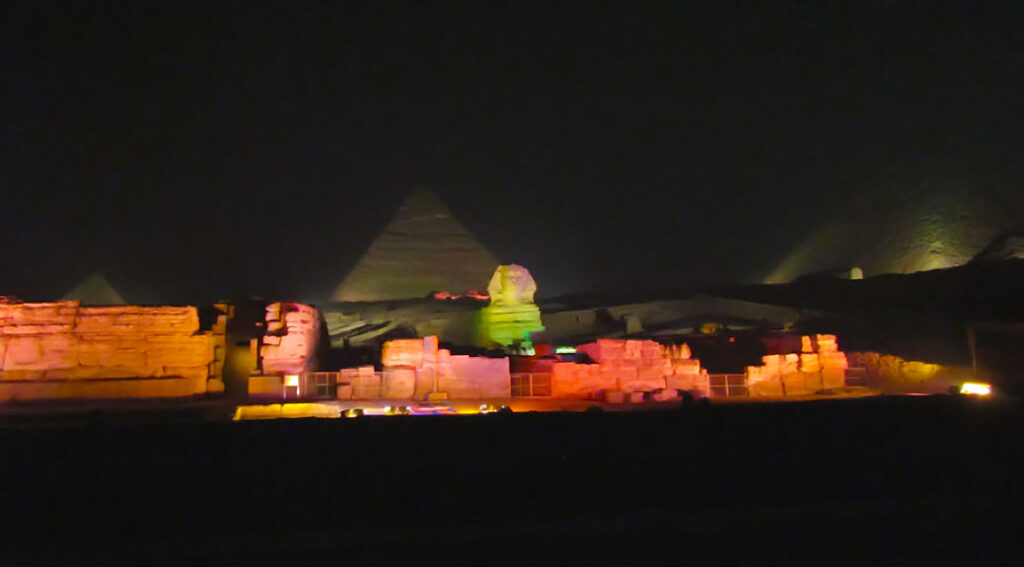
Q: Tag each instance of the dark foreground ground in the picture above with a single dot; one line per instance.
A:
(886, 480)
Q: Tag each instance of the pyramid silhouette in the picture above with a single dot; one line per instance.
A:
(422, 250)
(94, 290)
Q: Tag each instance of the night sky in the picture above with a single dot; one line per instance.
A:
(196, 151)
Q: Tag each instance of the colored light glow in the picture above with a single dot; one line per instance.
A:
(472, 294)
(291, 380)
(976, 388)
(565, 350)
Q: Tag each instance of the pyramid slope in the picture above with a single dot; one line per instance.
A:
(95, 290)
(423, 249)
(934, 230)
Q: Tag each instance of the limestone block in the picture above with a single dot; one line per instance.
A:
(686, 366)
(806, 344)
(271, 340)
(399, 382)
(581, 381)
(614, 397)
(266, 386)
(113, 350)
(603, 350)
(693, 381)
(666, 395)
(367, 385)
(344, 391)
(633, 349)
(771, 388)
(402, 352)
(41, 352)
(833, 360)
(60, 314)
(22, 375)
(798, 384)
(178, 350)
(833, 377)
(134, 319)
(98, 372)
(477, 377)
(809, 363)
(635, 397)
(790, 364)
(3, 350)
(214, 386)
(35, 329)
(827, 343)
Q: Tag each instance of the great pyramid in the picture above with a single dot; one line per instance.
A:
(95, 290)
(422, 250)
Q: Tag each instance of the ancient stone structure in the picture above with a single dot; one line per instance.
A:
(291, 338)
(415, 368)
(820, 366)
(900, 230)
(512, 315)
(64, 350)
(894, 374)
(628, 367)
(424, 249)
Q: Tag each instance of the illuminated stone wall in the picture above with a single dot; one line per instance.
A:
(819, 366)
(291, 339)
(893, 374)
(627, 366)
(64, 350)
(412, 366)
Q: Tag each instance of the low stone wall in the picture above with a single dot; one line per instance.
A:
(627, 366)
(64, 350)
(820, 366)
(893, 374)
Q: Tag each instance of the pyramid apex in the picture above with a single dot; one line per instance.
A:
(95, 290)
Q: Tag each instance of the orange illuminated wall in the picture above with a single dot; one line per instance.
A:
(819, 366)
(64, 350)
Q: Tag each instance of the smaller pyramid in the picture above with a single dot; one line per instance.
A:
(94, 290)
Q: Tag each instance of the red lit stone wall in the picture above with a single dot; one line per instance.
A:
(627, 366)
(64, 350)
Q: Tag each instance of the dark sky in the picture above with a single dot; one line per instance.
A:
(193, 151)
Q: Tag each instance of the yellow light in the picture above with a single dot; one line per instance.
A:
(976, 388)
(291, 380)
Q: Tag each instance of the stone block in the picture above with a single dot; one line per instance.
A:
(399, 382)
(271, 386)
(767, 388)
(614, 397)
(635, 397)
(833, 378)
(667, 395)
(113, 350)
(809, 363)
(402, 352)
(43, 352)
(177, 350)
(133, 319)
